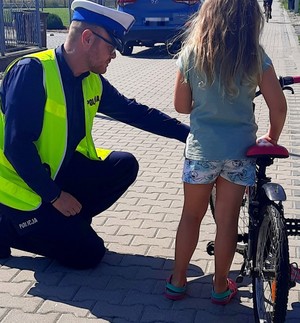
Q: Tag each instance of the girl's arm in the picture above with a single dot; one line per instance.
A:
(276, 102)
(183, 102)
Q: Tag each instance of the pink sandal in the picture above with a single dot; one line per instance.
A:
(173, 292)
(225, 297)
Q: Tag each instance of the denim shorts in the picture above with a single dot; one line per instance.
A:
(241, 172)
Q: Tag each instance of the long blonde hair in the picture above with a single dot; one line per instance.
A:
(224, 40)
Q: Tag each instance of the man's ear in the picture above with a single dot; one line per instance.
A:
(87, 38)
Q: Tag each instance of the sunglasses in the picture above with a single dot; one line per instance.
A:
(107, 41)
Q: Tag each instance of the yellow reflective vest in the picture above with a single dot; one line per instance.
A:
(52, 143)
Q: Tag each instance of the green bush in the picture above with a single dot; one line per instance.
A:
(55, 4)
(63, 13)
(54, 22)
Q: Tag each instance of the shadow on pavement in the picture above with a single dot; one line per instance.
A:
(126, 288)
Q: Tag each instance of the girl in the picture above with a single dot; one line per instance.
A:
(220, 65)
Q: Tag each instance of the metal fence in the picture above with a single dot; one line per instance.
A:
(21, 24)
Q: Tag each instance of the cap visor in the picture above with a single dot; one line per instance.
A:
(117, 42)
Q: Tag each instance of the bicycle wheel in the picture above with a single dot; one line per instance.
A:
(271, 262)
(243, 218)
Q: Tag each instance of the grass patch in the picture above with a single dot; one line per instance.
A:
(285, 4)
(63, 13)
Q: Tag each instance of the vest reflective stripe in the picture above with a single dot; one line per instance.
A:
(51, 145)
(53, 137)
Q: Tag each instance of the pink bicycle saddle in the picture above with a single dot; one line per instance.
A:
(271, 151)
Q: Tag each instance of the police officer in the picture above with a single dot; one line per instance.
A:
(53, 180)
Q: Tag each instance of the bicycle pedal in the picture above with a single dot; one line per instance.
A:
(239, 279)
(210, 248)
(240, 246)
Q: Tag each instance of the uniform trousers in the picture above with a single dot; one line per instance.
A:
(71, 240)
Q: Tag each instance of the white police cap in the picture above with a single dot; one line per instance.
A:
(115, 22)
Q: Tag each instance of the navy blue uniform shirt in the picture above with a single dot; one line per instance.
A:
(23, 101)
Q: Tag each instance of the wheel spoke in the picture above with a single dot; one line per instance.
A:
(270, 284)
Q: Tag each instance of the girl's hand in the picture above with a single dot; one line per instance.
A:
(266, 141)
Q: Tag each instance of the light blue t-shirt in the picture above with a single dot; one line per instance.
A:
(220, 129)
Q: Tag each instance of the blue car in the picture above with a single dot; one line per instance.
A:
(156, 21)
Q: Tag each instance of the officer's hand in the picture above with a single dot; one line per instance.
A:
(67, 204)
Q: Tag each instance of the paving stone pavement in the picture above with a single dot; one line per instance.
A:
(139, 230)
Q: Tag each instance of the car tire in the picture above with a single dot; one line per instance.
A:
(127, 50)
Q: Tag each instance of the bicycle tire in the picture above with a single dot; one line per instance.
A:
(243, 223)
(270, 279)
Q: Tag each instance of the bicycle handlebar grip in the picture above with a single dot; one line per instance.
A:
(284, 80)
(287, 80)
(296, 79)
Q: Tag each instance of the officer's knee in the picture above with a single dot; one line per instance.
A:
(127, 167)
(92, 258)
(86, 256)
(133, 168)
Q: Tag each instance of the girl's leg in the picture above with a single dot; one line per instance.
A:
(196, 198)
(228, 201)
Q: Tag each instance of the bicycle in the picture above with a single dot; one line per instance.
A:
(263, 234)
